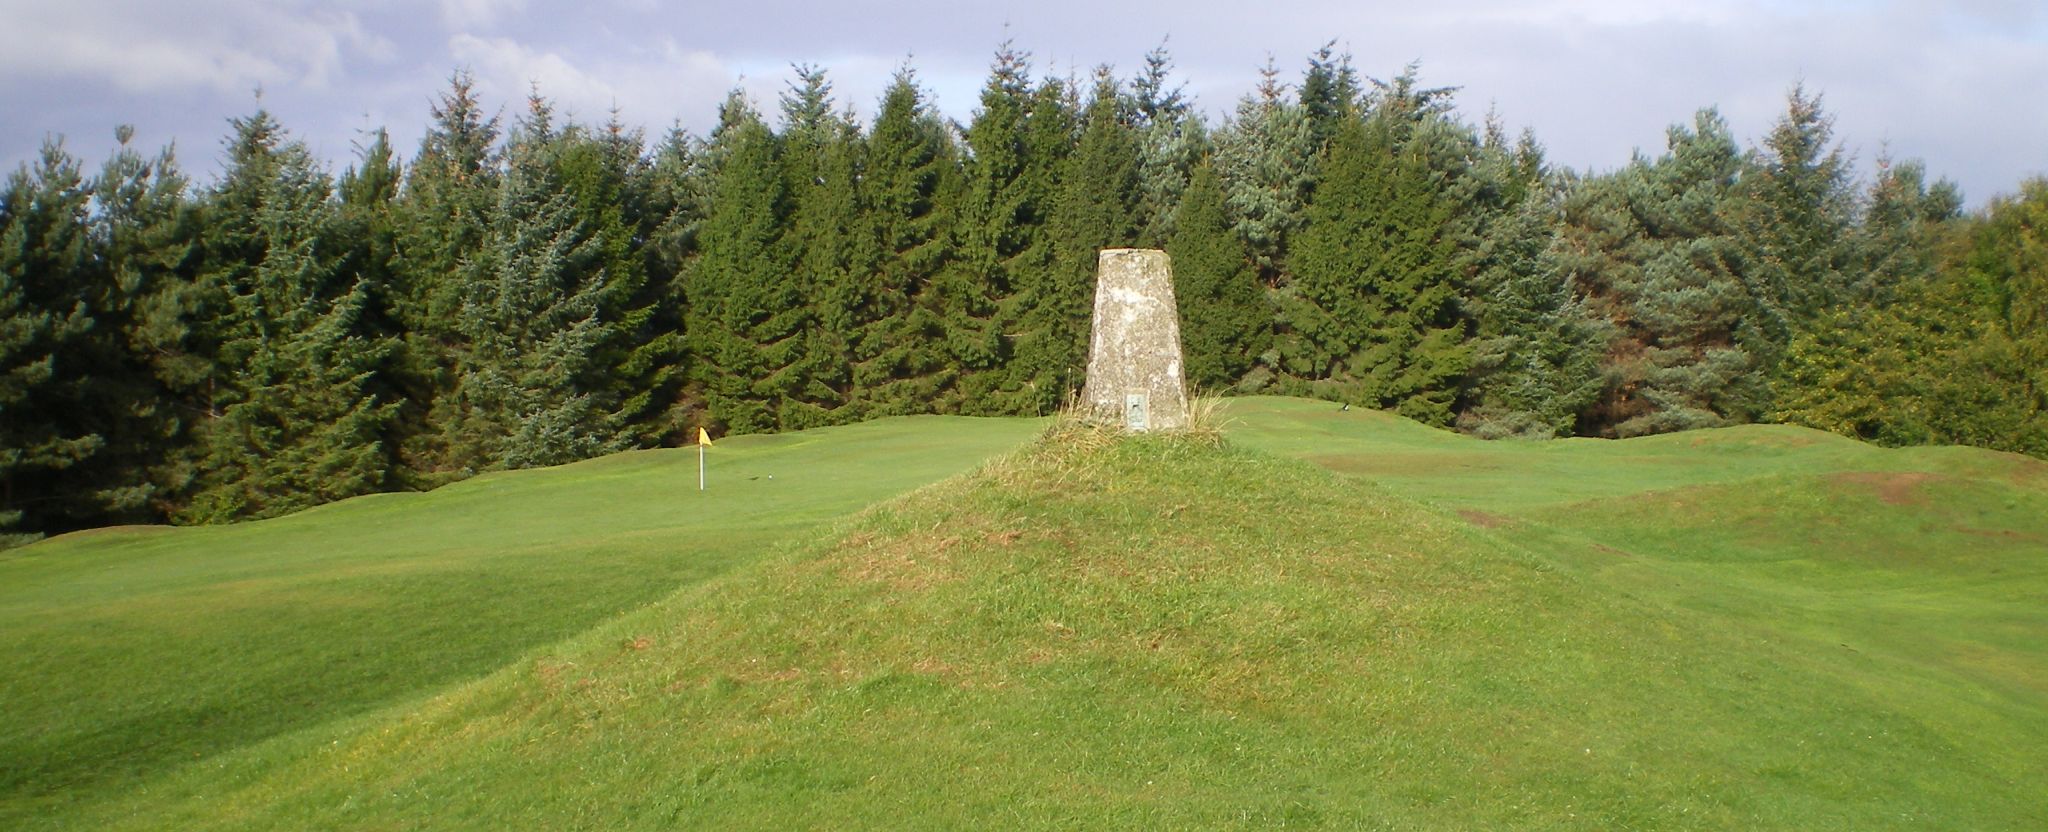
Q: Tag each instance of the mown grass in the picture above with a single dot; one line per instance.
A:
(1757, 628)
(135, 652)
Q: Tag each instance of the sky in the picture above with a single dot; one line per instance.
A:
(1960, 84)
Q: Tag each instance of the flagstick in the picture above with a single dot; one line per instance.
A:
(700, 467)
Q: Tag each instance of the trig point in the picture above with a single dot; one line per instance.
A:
(1134, 358)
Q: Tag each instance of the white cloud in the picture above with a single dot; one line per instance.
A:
(225, 45)
(477, 14)
(650, 85)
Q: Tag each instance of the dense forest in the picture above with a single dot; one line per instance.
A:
(530, 291)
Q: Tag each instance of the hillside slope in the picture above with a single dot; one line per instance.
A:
(1157, 633)
(135, 652)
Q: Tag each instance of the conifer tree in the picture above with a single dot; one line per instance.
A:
(1036, 271)
(1226, 319)
(746, 316)
(1095, 208)
(532, 387)
(1795, 210)
(1172, 139)
(1652, 250)
(1266, 159)
(1536, 347)
(836, 258)
(899, 361)
(147, 230)
(995, 216)
(299, 421)
(46, 322)
(1330, 93)
(451, 190)
(1372, 313)
(639, 366)
(678, 185)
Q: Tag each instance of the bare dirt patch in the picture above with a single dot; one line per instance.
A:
(1484, 520)
(1893, 488)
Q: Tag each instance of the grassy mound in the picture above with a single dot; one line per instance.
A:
(1152, 632)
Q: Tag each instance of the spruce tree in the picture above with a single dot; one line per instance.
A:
(1330, 93)
(1535, 346)
(835, 263)
(443, 217)
(1794, 210)
(532, 387)
(1653, 251)
(298, 421)
(1373, 312)
(995, 220)
(147, 231)
(46, 322)
(746, 317)
(1172, 139)
(899, 359)
(639, 367)
(1038, 274)
(1095, 208)
(1226, 318)
(1266, 159)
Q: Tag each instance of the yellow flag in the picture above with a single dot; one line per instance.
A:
(703, 438)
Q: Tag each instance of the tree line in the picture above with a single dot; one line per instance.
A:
(536, 291)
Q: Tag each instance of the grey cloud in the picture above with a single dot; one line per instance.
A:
(1951, 82)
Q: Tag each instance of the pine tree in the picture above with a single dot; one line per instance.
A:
(1373, 316)
(1095, 208)
(1226, 319)
(532, 386)
(746, 317)
(899, 360)
(298, 421)
(1266, 159)
(45, 325)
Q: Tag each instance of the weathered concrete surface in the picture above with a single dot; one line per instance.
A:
(1134, 358)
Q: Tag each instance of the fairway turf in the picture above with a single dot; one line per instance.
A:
(134, 651)
(1758, 627)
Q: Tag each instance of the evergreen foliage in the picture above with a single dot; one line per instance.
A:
(283, 337)
(451, 190)
(1372, 316)
(1654, 252)
(1095, 208)
(1226, 319)
(899, 361)
(299, 421)
(1172, 139)
(45, 323)
(746, 319)
(1535, 364)
(1266, 159)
